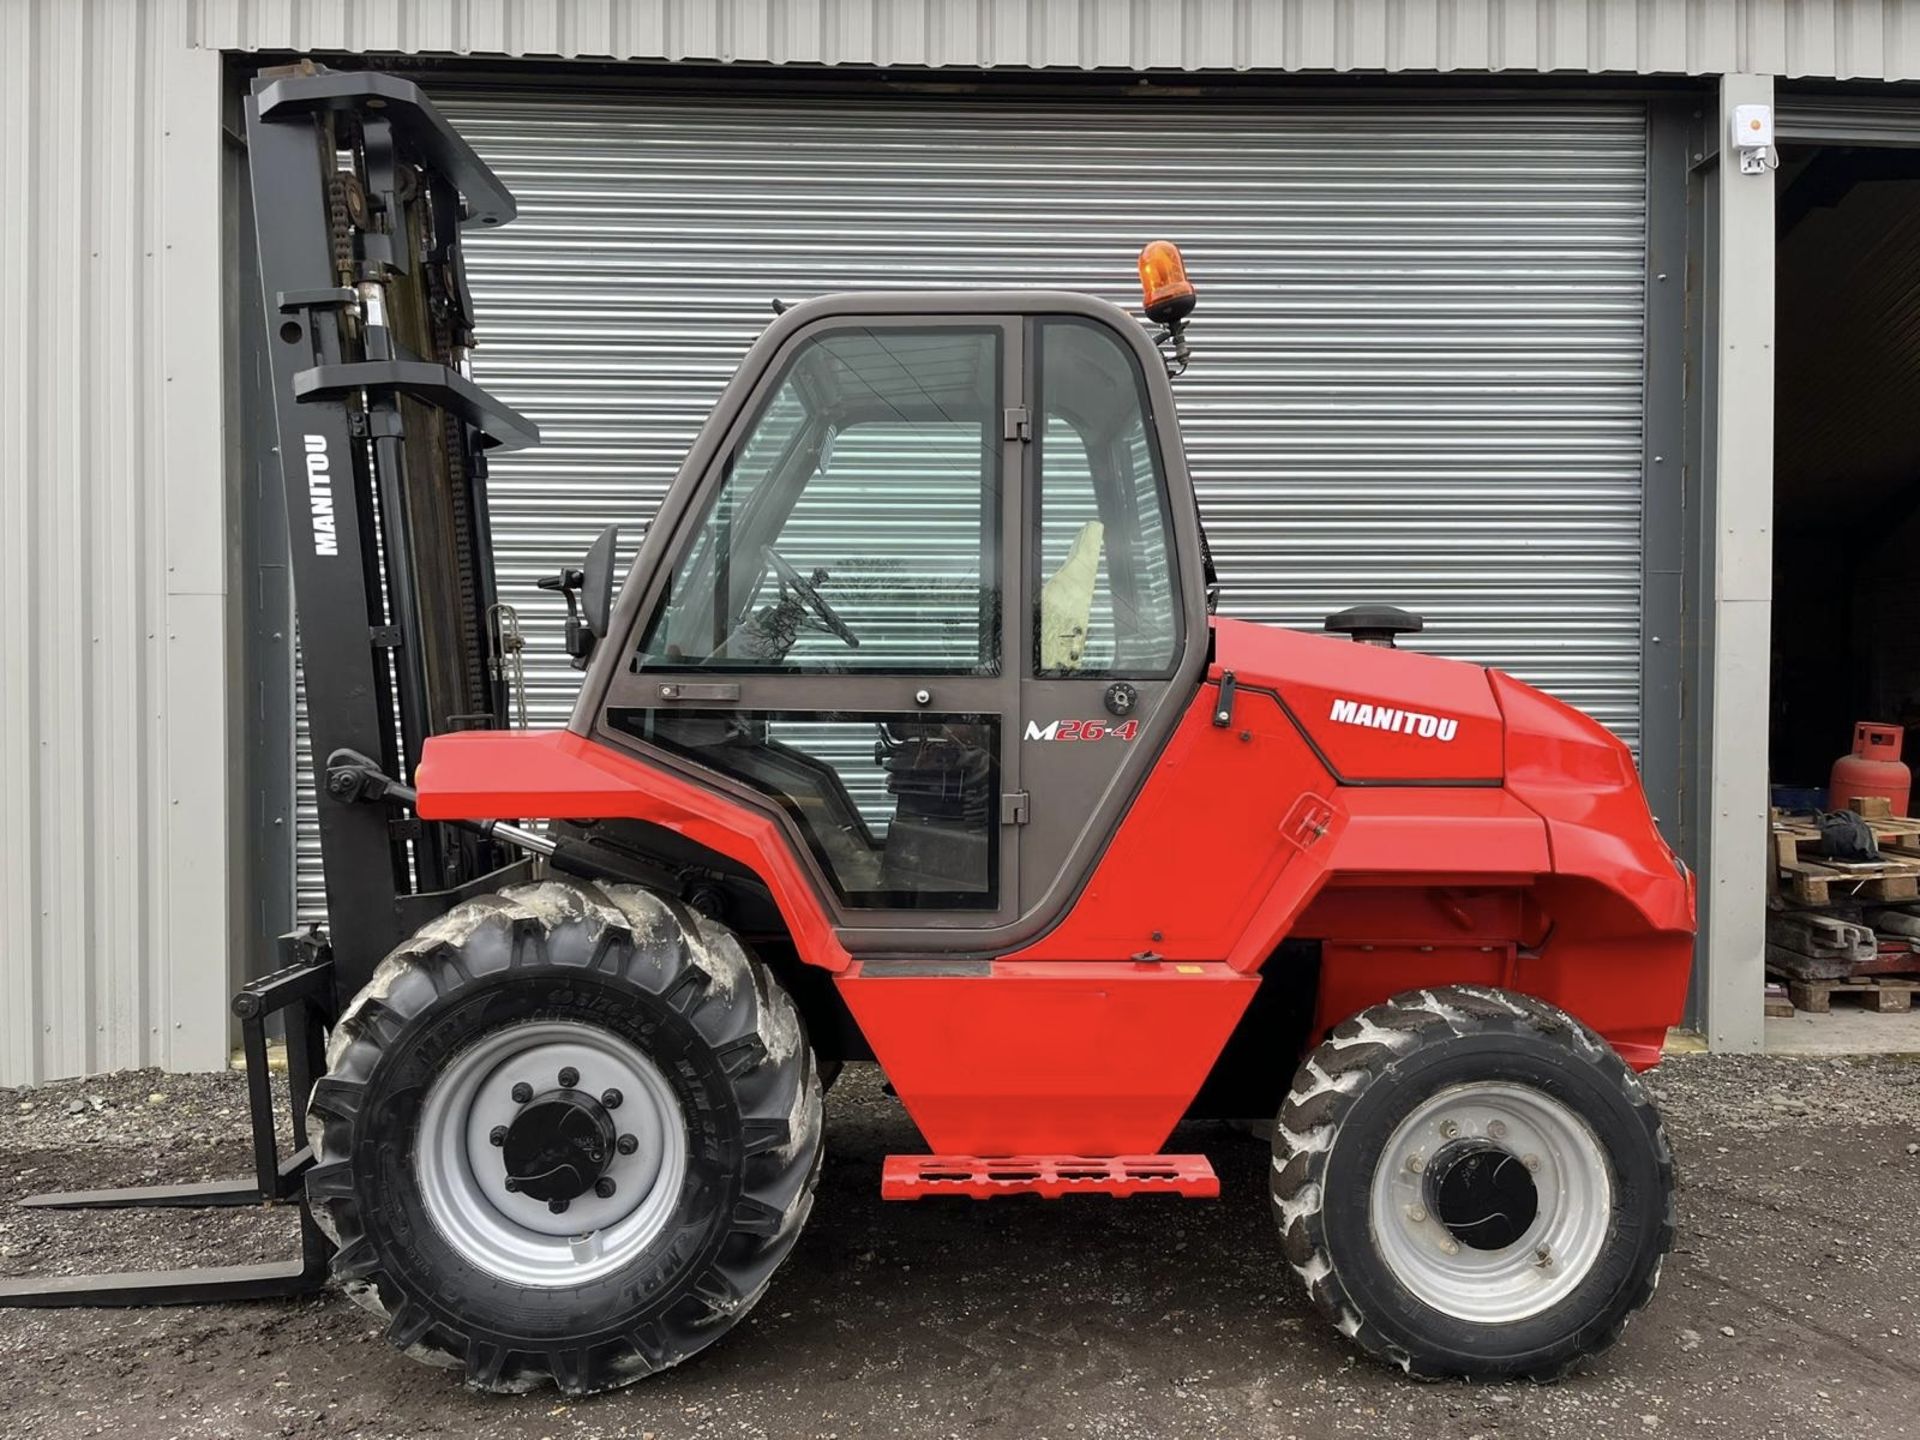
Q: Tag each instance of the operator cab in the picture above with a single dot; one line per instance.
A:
(924, 540)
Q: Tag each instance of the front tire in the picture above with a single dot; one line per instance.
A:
(1472, 1183)
(567, 1133)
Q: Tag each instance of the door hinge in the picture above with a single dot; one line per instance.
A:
(1019, 424)
(1013, 808)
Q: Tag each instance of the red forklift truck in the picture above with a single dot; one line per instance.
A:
(912, 737)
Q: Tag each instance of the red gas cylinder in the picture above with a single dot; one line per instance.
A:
(1874, 768)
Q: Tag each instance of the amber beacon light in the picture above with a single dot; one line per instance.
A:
(1165, 291)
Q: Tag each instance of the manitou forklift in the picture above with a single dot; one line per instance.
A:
(911, 737)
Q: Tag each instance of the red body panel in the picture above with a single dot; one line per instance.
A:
(1480, 832)
(1621, 905)
(555, 775)
(1580, 780)
(1375, 714)
(1218, 854)
(1048, 1058)
(1533, 862)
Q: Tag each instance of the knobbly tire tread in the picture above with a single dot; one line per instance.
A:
(1361, 1053)
(676, 966)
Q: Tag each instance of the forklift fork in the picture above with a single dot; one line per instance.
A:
(303, 992)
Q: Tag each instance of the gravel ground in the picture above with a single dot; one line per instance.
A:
(1790, 1308)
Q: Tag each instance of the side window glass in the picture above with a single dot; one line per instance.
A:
(856, 527)
(900, 812)
(1104, 583)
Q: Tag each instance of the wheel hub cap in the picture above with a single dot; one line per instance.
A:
(1491, 1201)
(551, 1152)
(1482, 1192)
(559, 1145)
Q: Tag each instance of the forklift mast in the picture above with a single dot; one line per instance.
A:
(361, 193)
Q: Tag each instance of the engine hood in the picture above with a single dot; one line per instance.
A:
(1374, 715)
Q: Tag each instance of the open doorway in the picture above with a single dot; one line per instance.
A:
(1846, 585)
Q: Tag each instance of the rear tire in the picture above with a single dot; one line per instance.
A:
(631, 1016)
(1472, 1183)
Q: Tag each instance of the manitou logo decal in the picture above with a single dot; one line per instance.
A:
(1399, 722)
(326, 538)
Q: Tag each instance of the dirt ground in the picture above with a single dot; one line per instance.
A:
(1791, 1307)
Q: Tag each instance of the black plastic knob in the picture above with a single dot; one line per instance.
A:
(1374, 624)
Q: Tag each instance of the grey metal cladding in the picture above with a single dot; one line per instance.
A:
(1845, 39)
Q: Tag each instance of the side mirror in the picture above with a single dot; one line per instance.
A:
(596, 583)
(588, 592)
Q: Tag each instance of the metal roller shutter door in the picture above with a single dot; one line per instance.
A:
(1844, 120)
(1418, 354)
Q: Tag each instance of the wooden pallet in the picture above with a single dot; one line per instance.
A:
(1898, 837)
(1809, 878)
(1887, 997)
(1811, 882)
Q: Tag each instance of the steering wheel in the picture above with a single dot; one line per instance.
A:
(803, 587)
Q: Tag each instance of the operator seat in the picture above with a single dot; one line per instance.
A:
(1066, 601)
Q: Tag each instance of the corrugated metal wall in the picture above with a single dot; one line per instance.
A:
(1822, 119)
(1849, 39)
(1418, 355)
(115, 896)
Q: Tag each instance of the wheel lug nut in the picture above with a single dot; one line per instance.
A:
(498, 1135)
(611, 1099)
(1497, 1129)
(626, 1144)
(558, 1207)
(1416, 1163)
(522, 1093)
(1448, 1129)
(569, 1078)
(1417, 1214)
(603, 1188)
(513, 1185)
(1532, 1162)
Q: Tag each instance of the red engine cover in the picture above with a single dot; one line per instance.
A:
(1372, 713)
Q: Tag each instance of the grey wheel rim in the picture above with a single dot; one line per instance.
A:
(1540, 1249)
(462, 1172)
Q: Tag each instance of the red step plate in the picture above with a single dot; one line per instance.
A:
(982, 1177)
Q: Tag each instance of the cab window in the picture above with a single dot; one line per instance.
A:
(899, 811)
(1104, 584)
(856, 526)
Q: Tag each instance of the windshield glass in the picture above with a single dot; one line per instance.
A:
(856, 524)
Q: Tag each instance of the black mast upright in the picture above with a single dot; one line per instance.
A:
(361, 192)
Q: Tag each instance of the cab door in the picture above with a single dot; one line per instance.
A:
(1108, 660)
(829, 637)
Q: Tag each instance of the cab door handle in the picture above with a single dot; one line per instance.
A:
(697, 690)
